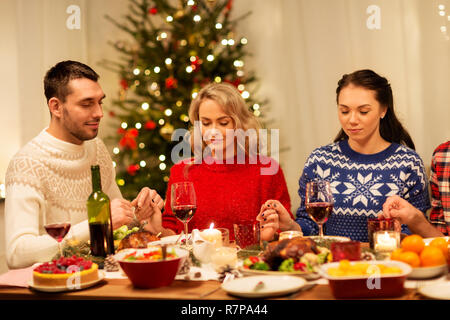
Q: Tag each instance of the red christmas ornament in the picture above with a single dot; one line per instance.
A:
(124, 84)
(129, 138)
(236, 82)
(150, 125)
(229, 5)
(195, 64)
(153, 10)
(132, 169)
(171, 83)
(112, 114)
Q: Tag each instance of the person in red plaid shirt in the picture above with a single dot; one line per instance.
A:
(439, 223)
(440, 188)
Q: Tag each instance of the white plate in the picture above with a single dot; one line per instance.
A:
(436, 291)
(101, 276)
(335, 238)
(428, 240)
(273, 286)
(169, 239)
(427, 272)
(305, 275)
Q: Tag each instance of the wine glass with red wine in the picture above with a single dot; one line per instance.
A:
(183, 203)
(319, 202)
(57, 225)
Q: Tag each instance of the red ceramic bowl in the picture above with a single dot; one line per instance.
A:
(380, 286)
(151, 274)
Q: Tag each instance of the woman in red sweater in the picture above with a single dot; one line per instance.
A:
(233, 184)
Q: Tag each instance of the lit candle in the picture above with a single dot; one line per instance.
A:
(224, 256)
(290, 235)
(386, 241)
(212, 235)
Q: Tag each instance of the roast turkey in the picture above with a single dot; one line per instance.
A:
(139, 239)
(278, 251)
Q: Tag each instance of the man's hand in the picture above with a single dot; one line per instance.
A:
(400, 209)
(121, 212)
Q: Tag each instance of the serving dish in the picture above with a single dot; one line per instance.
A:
(427, 272)
(148, 273)
(373, 286)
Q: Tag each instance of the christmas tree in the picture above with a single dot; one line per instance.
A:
(177, 47)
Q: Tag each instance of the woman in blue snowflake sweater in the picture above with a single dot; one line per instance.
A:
(371, 158)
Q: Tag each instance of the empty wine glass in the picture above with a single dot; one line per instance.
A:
(183, 203)
(57, 225)
(319, 202)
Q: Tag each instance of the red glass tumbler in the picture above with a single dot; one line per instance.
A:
(347, 250)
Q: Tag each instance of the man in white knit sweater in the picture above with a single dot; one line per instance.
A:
(52, 171)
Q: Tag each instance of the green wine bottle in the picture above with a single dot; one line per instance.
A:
(99, 218)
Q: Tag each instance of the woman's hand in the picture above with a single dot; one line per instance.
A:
(273, 216)
(153, 223)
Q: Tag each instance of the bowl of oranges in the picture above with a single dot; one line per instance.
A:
(427, 257)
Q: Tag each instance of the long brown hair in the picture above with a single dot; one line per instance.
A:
(391, 128)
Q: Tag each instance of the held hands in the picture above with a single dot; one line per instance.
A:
(146, 202)
(400, 209)
(273, 216)
(146, 207)
(121, 212)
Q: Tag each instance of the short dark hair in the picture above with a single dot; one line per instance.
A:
(391, 128)
(57, 78)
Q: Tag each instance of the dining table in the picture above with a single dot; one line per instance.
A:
(117, 288)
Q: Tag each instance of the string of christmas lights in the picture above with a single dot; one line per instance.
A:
(177, 48)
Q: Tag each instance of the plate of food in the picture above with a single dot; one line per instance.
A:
(263, 286)
(65, 288)
(170, 239)
(326, 241)
(299, 256)
(65, 274)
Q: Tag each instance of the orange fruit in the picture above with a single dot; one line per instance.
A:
(432, 256)
(410, 258)
(413, 243)
(396, 254)
(441, 244)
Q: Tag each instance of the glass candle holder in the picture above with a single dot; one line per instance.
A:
(212, 235)
(225, 236)
(290, 235)
(386, 241)
(375, 224)
(224, 256)
(346, 250)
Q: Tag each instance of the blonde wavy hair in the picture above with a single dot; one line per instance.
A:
(233, 105)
